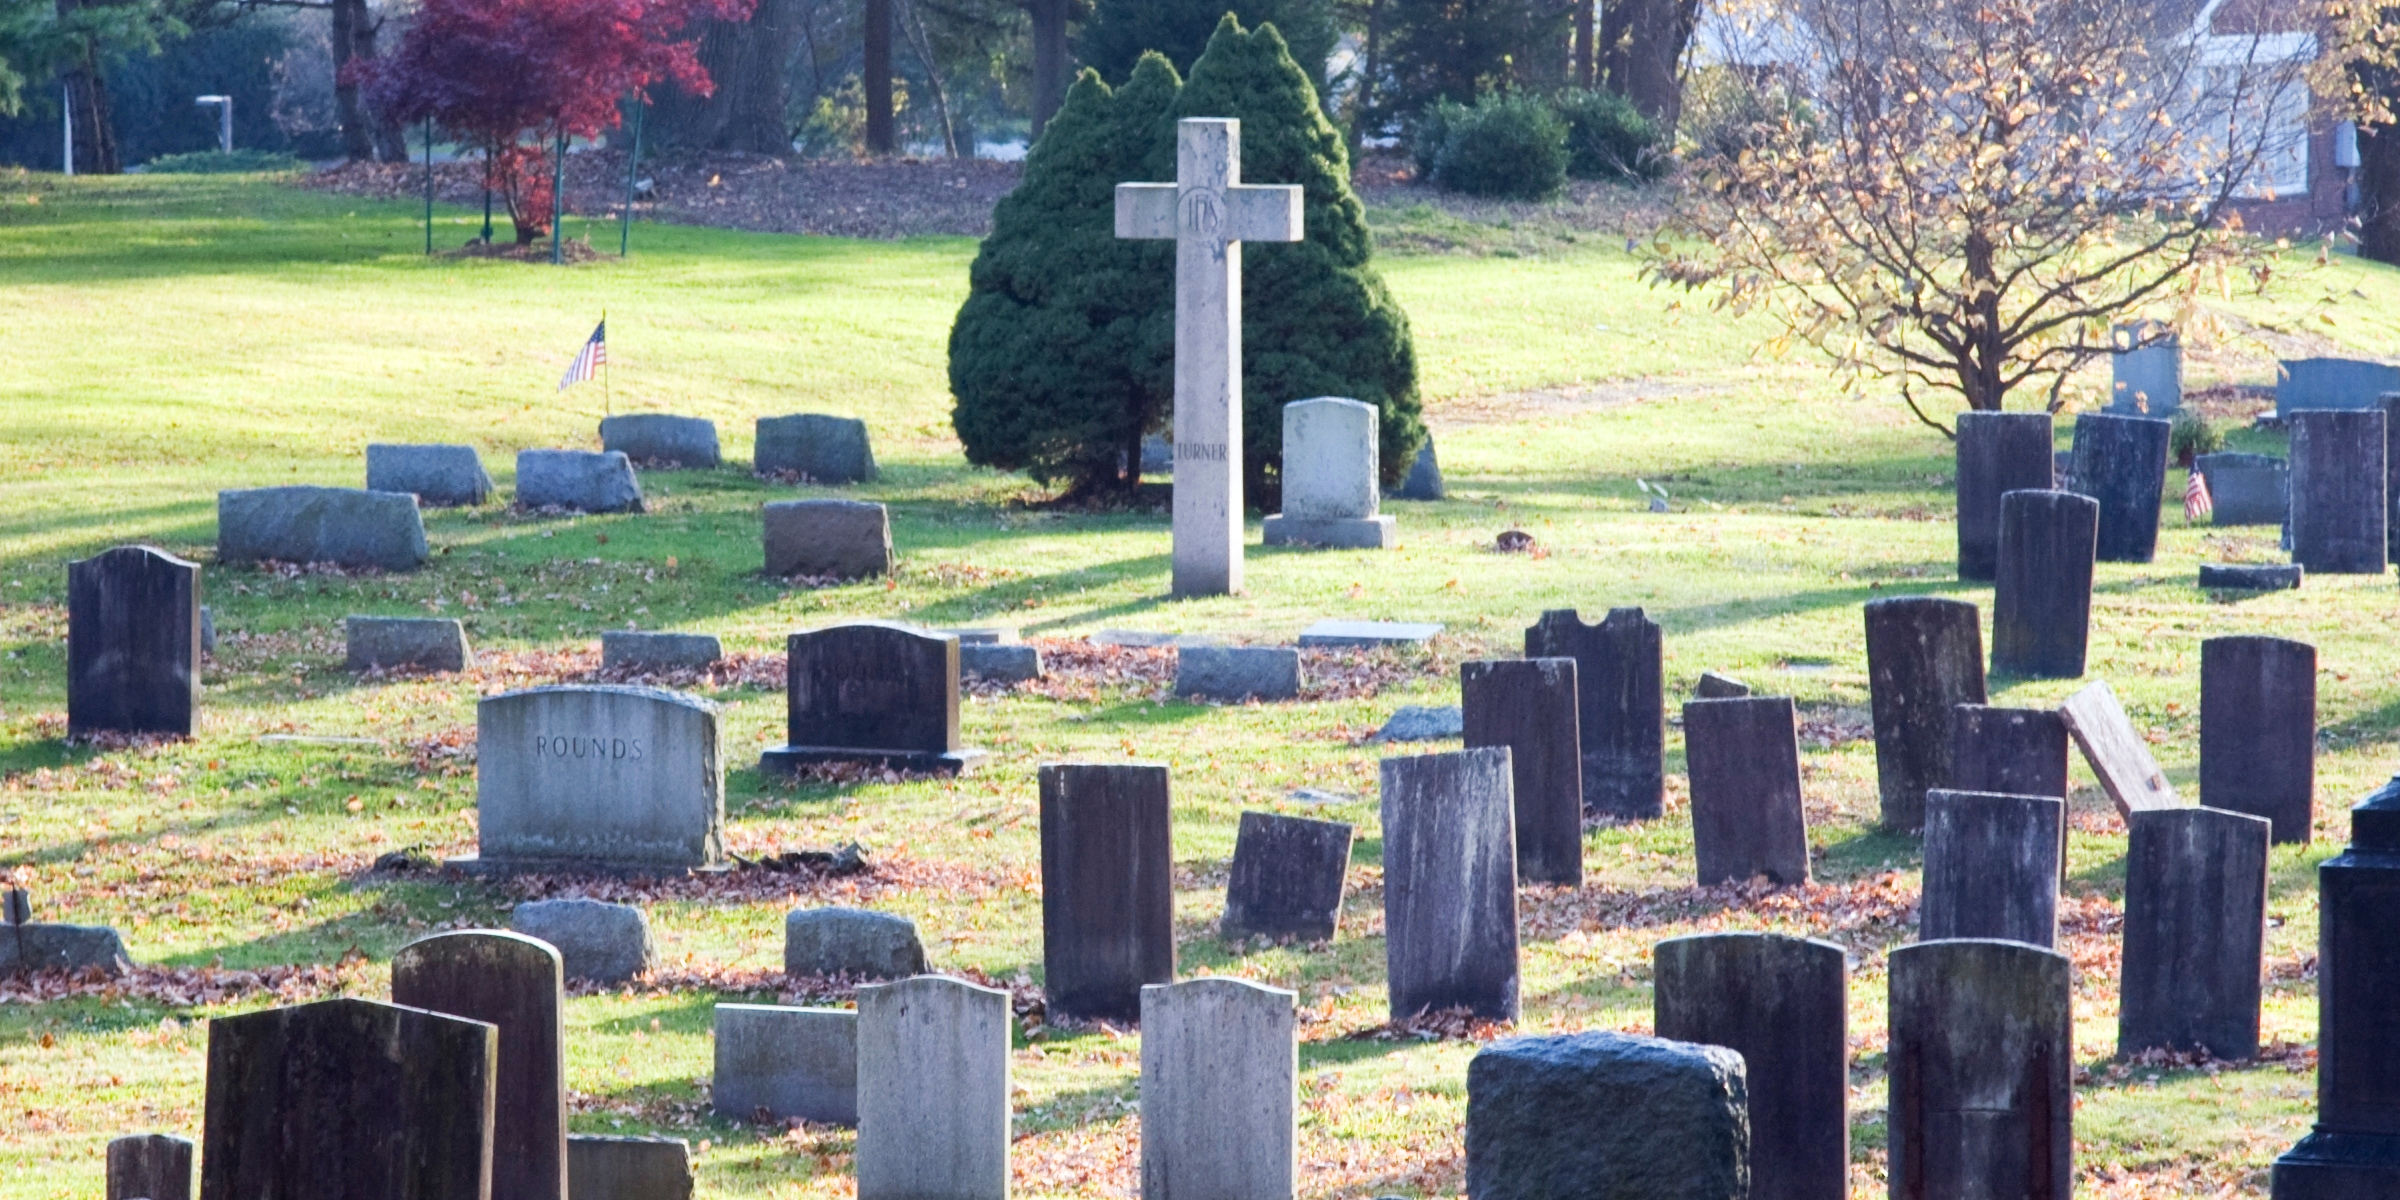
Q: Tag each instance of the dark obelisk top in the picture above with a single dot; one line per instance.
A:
(1743, 756)
(2042, 605)
(2355, 1149)
(872, 691)
(1287, 877)
(1924, 657)
(2258, 730)
(1620, 679)
(2121, 462)
(1783, 1003)
(1982, 1071)
(348, 1100)
(515, 983)
(2340, 514)
(1998, 453)
(2195, 932)
(2020, 751)
(1528, 705)
(1450, 883)
(1108, 887)
(133, 642)
(1991, 867)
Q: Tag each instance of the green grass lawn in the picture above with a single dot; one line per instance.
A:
(166, 337)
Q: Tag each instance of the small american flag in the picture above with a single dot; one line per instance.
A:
(588, 360)
(2196, 503)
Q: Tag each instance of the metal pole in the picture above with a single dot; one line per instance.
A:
(225, 125)
(558, 201)
(429, 187)
(66, 114)
(633, 167)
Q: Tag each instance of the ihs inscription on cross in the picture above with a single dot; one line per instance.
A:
(1209, 212)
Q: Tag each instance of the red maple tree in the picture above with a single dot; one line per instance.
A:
(513, 77)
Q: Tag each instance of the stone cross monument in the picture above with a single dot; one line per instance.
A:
(1209, 213)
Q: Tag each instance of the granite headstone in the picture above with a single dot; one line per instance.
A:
(2145, 368)
(2042, 604)
(343, 526)
(661, 439)
(598, 775)
(1607, 1115)
(1450, 884)
(826, 539)
(2017, 751)
(592, 481)
(440, 476)
(1924, 657)
(2246, 489)
(383, 643)
(150, 1166)
(1108, 887)
(1620, 685)
(786, 1062)
(2116, 752)
(2195, 933)
(1287, 877)
(1529, 706)
(133, 643)
(933, 1090)
(872, 692)
(1331, 490)
(2258, 730)
(2303, 383)
(815, 447)
(1743, 756)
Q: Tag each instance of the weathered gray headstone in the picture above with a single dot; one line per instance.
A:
(1331, 490)
(623, 778)
(786, 1062)
(2246, 489)
(872, 692)
(838, 539)
(2121, 462)
(1108, 887)
(597, 940)
(1743, 756)
(2116, 752)
(133, 643)
(627, 649)
(999, 663)
(1620, 684)
(1715, 686)
(1237, 673)
(2340, 514)
(2258, 730)
(152, 1166)
(348, 1099)
(1424, 480)
(440, 476)
(2042, 605)
(2195, 933)
(1450, 883)
(2354, 1151)
(661, 439)
(515, 984)
(933, 1090)
(1423, 723)
(628, 1168)
(43, 946)
(2331, 383)
(1287, 877)
(818, 448)
(1529, 706)
(1991, 867)
(344, 526)
(851, 941)
(2146, 369)
(1676, 1125)
(1368, 635)
(1924, 657)
(593, 481)
(432, 643)
(2017, 751)
(1783, 1004)
(1220, 1091)
(1998, 453)
(2265, 577)
(1982, 1096)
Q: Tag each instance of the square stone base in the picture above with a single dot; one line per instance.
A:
(2339, 1166)
(1378, 532)
(787, 760)
(477, 864)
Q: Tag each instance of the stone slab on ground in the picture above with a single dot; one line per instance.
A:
(345, 526)
(383, 643)
(933, 1090)
(826, 539)
(1782, 1003)
(2251, 577)
(150, 1166)
(662, 439)
(2116, 752)
(786, 1062)
(1368, 634)
(1237, 673)
(628, 649)
(1287, 878)
(599, 941)
(1677, 1127)
(628, 1168)
(439, 476)
(134, 641)
(816, 447)
(590, 481)
(1423, 723)
(999, 663)
(851, 941)
(43, 946)
(1144, 639)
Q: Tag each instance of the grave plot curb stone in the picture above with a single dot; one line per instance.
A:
(1237, 673)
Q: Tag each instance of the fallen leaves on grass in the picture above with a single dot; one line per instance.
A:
(1345, 674)
(1866, 915)
(191, 987)
(881, 877)
(1439, 1025)
(1075, 671)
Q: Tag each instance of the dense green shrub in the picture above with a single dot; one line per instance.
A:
(1510, 146)
(1608, 138)
(1431, 129)
(2192, 435)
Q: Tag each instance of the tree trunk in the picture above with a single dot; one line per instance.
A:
(2379, 193)
(879, 77)
(749, 109)
(350, 30)
(920, 44)
(1050, 62)
(1641, 47)
(95, 123)
(1587, 64)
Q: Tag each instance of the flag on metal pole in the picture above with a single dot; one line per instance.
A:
(588, 360)
(2196, 500)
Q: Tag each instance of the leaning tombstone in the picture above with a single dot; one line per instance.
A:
(440, 476)
(2195, 933)
(2355, 1149)
(2018, 751)
(1620, 687)
(814, 448)
(133, 643)
(152, 1166)
(2116, 752)
(2146, 369)
(1424, 480)
(2122, 463)
(2340, 514)
(348, 1099)
(776, 1062)
(628, 1168)
(598, 941)
(661, 439)
(1991, 867)
(2258, 730)
(1782, 1003)
(343, 526)
(1450, 884)
(1528, 705)
(874, 693)
(516, 984)
(1331, 489)
(1220, 1091)
(1287, 878)
(589, 481)
(1671, 1120)
(2042, 605)
(382, 643)
(1998, 453)
(1744, 761)
(598, 776)
(933, 1090)
(1108, 887)
(2246, 489)
(1715, 686)
(1924, 657)
(1982, 1098)
(825, 539)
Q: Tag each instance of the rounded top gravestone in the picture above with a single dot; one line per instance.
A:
(515, 983)
(613, 776)
(133, 642)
